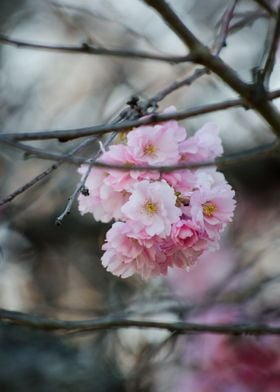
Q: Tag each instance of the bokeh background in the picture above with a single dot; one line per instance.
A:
(56, 271)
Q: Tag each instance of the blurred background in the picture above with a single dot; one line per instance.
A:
(56, 271)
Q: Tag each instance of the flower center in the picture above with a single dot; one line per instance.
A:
(150, 149)
(209, 208)
(150, 207)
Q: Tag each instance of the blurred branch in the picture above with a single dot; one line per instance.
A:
(221, 163)
(60, 160)
(31, 152)
(85, 12)
(178, 84)
(220, 42)
(126, 114)
(266, 6)
(232, 159)
(251, 93)
(113, 322)
(270, 61)
(246, 19)
(225, 26)
(65, 135)
(81, 185)
(87, 48)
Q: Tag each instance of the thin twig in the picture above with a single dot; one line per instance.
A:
(266, 6)
(246, 19)
(270, 61)
(86, 12)
(125, 114)
(217, 47)
(46, 172)
(202, 55)
(232, 159)
(112, 322)
(87, 48)
(225, 26)
(31, 152)
(178, 84)
(80, 186)
(65, 135)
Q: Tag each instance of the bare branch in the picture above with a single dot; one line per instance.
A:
(87, 48)
(246, 19)
(81, 185)
(112, 322)
(132, 112)
(178, 84)
(266, 6)
(225, 25)
(65, 135)
(270, 61)
(46, 172)
(232, 159)
(217, 47)
(31, 152)
(254, 97)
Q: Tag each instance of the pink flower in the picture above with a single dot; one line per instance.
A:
(125, 254)
(99, 201)
(179, 132)
(151, 208)
(182, 181)
(185, 233)
(124, 180)
(212, 207)
(119, 180)
(205, 145)
(168, 219)
(155, 145)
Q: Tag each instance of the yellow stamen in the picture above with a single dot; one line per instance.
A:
(151, 208)
(209, 208)
(150, 149)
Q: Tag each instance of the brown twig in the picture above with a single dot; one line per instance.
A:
(102, 129)
(266, 6)
(270, 61)
(125, 114)
(217, 47)
(112, 322)
(87, 48)
(225, 26)
(62, 159)
(251, 93)
(232, 159)
(81, 185)
(246, 19)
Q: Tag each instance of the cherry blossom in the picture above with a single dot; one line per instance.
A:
(152, 208)
(205, 145)
(164, 220)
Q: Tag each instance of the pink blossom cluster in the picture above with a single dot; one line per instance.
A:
(163, 219)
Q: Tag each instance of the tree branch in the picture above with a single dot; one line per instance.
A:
(233, 159)
(46, 172)
(81, 185)
(65, 135)
(225, 26)
(87, 48)
(270, 61)
(220, 42)
(112, 322)
(251, 93)
(266, 6)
